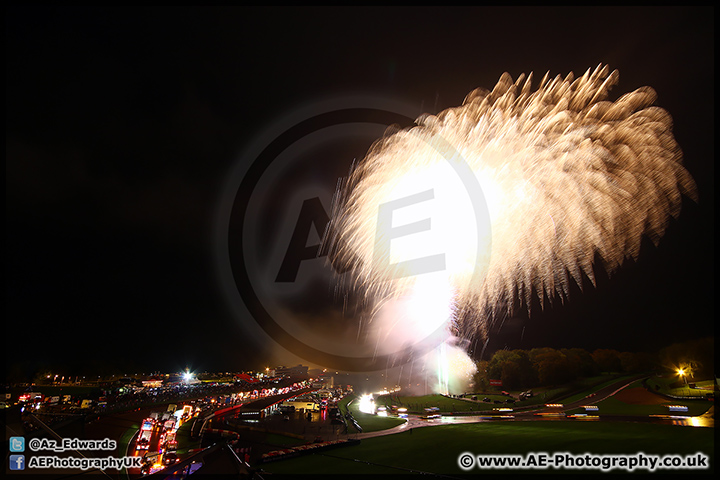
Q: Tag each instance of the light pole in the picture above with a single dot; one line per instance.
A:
(681, 372)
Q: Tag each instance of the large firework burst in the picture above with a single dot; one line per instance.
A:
(567, 176)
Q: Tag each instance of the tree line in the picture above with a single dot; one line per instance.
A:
(521, 369)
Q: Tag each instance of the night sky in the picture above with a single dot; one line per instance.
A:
(122, 126)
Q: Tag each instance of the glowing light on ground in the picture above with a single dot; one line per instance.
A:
(366, 404)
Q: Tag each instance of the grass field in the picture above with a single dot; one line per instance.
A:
(343, 403)
(368, 422)
(635, 400)
(599, 383)
(184, 441)
(126, 438)
(435, 450)
(445, 404)
(567, 393)
(665, 385)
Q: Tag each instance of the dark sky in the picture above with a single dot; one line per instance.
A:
(123, 124)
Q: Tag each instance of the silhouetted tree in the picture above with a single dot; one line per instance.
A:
(607, 360)
(552, 367)
(636, 362)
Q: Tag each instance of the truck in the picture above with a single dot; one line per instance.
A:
(31, 397)
(171, 442)
(169, 424)
(304, 405)
(143, 441)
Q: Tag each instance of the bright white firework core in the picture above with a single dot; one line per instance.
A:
(450, 228)
(424, 310)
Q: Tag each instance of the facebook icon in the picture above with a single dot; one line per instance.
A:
(17, 462)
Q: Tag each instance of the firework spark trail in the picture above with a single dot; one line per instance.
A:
(567, 176)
